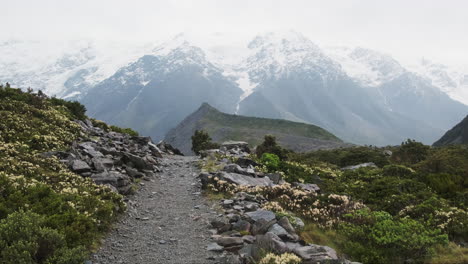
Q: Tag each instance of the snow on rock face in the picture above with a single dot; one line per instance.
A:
(64, 69)
(452, 81)
(368, 67)
(277, 54)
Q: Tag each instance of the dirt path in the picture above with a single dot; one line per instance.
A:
(166, 221)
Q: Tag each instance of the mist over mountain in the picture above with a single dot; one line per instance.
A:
(361, 95)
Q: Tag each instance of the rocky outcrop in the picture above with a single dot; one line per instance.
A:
(245, 231)
(113, 159)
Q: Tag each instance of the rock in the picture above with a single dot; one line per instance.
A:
(240, 179)
(298, 223)
(229, 241)
(233, 145)
(246, 162)
(261, 215)
(134, 173)
(362, 165)
(214, 247)
(274, 177)
(269, 243)
(136, 162)
(79, 166)
(307, 187)
(102, 164)
(234, 168)
(284, 223)
(315, 253)
(292, 245)
(246, 251)
(279, 231)
(248, 239)
(241, 226)
(227, 203)
(262, 226)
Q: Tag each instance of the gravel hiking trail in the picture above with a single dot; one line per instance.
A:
(166, 220)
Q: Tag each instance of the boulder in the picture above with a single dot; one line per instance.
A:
(240, 179)
(307, 187)
(362, 165)
(79, 166)
(279, 231)
(268, 243)
(214, 247)
(246, 162)
(229, 241)
(234, 168)
(316, 254)
(261, 215)
(262, 226)
(136, 162)
(274, 177)
(235, 147)
(102, 164)
(241, 226)
(284, 222)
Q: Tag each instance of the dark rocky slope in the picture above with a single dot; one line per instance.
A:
(457, 135)
(222, 127)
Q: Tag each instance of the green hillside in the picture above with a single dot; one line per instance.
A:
(223, 127)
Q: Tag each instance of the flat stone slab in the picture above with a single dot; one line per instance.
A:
(240, 179)
(261, 214)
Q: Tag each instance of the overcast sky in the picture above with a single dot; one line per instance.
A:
(406, 29)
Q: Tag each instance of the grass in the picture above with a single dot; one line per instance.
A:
(311, 233)
(450, 254)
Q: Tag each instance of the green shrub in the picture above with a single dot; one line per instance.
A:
(25, 238)
(410, 152)
(377, 237)
(127, 131)
(202, 141)
(271, 161)
(269, 145)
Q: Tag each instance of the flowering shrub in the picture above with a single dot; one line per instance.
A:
(326, 210)
(286, 258)
(47, 213)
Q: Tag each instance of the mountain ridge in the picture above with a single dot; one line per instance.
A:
(223, 127)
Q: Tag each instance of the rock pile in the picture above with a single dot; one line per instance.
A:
(113, 159)
(245, 231)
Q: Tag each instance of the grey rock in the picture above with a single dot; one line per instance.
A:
(79, 166)
(240, 179)
(362, 165)
(261, 214)
(274, 177)
(134, 173)
(137, 162)
(279, 231)
(248, 239)
(262, 226)
(315, 253)
(229, 241)
(246, 162)
(241, 225)
(102, 164)
(284, 223)
(214, 247)
(270, 243)
(307, 187)
(298, 223)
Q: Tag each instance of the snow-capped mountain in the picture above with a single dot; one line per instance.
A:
(297, 80)
(451, 80)
(157, 91)
(361, 95)
(66, 69)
